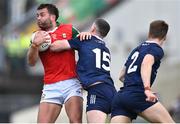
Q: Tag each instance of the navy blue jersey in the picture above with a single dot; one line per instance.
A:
(134, 61)
(94, 61)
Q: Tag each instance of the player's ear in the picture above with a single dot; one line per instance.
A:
(93, 28)
(53, 17)
(165, 37)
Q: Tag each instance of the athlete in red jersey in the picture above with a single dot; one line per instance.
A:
(59, 66)
(60, 85)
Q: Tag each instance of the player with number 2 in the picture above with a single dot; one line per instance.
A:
(93, 70)
(138, 75)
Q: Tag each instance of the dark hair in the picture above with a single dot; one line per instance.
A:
(158, 29)
(52, 9)
(102, 26)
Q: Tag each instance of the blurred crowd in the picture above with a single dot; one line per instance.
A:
(15, 34)
(13, 51)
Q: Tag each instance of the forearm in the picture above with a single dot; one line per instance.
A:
(59, 45)
(146, 75)
(32, 55)
(146, 69)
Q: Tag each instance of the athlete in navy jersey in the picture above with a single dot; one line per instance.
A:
(133, 64)
(94, 61)
(93, 69)
(138, 75)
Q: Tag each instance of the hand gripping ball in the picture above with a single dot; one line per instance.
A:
(44, 46)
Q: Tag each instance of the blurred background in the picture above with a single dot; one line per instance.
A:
(21, 85)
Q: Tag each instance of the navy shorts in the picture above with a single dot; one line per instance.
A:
(100, 97)
(129, 103)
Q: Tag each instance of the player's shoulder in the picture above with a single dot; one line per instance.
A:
(150, 46)
(97, 40)
(155, 50)
(156, 47)
(65, 24)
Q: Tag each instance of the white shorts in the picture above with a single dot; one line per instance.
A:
(61, 91)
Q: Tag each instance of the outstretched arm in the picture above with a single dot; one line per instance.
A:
(60, 45)
(146, 68)
(82, 36)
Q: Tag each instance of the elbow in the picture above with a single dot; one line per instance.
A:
(52, 48)
(121, 79)
(31, 63)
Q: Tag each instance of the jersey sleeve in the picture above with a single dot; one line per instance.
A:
(75, 32)
(157, 52)
(75, 43)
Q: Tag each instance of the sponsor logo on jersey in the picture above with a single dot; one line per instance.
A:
(64, 35)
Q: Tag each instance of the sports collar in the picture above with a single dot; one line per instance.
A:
(53, 30)
(98, 37)
(151, 41)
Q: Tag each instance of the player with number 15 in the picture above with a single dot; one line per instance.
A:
(93, 70)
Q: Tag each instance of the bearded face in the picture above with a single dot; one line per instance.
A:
(45, 24)
(44, 19)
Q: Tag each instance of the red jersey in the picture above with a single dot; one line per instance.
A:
(59, 66)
